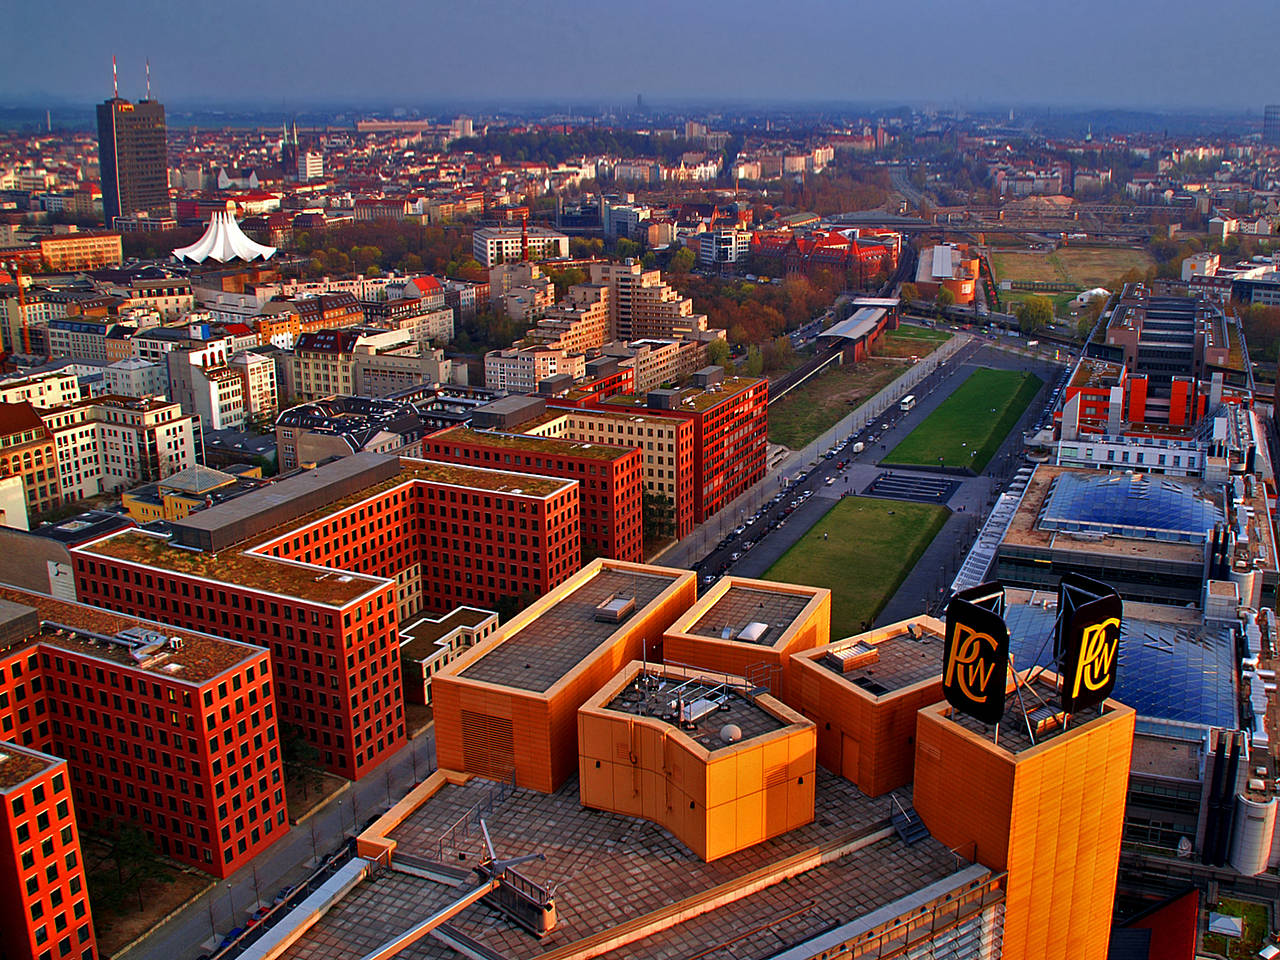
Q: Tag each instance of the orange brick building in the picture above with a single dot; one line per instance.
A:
(720, 768)
(750, 628)
(863, 693)
(81, 251)
(27, 450)
(509, 705)
(1049, 812)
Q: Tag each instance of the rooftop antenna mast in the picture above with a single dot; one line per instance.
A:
(115, 80)
(148, 62)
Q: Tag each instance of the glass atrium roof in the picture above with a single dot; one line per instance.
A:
(1182, 672)
(1129, 505)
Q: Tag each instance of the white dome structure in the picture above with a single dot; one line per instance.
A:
(223, 241)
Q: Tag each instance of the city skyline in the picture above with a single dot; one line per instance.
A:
(951, 56)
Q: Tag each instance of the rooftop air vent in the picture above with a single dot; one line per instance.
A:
(615, 608)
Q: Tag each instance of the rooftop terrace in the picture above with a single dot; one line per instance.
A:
(536, 654)
(699, 706)
(199, 658)
(738, 607)
(902, 657)
(19, 764)
(533, 445)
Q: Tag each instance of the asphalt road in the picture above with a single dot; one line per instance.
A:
(798, 501)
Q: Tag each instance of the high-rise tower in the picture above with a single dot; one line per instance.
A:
(1271, 125)
(132, 157)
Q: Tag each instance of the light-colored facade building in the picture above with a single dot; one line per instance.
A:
(579, 324)
(81, 251)
(204, 383)
(493, 245)
(258, 385)
(522, 289)
(642, 305)
(41, 389)
(111, 443)
(135, 377)
(521, 369)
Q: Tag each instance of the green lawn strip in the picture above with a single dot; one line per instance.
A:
(976, 417)
(905, 332)
(870, 547)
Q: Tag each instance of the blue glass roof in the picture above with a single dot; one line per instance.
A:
(1167, 670)
(1129, 505)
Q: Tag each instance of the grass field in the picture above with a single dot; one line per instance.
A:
(1083, 267)
(969, 426)
(880, 539)
(823, 401)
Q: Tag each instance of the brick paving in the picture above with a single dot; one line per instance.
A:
(608, 869)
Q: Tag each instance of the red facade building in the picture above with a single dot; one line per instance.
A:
(172, 731)
(610, 518)
(730, 420)
(321, 568)
(44, 903)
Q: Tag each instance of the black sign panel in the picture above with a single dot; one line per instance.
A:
(1088, 641)
(976, 653)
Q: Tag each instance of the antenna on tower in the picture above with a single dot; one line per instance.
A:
(148, 62)
(115, 80)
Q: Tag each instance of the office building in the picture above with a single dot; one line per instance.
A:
(133, 159)
(338, 426)
(610, 500)
(1271, 125)
(494, 245)
(321, 568)
(730, 425)
(1156, 539)
(44, 902)
(171, 730)
(1045, 804)
(81, 251)
(508, 706)
(1009, 850)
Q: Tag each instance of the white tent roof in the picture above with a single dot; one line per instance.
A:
(223, 241)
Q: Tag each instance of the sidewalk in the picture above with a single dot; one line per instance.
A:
(289, 860)
(706, 535)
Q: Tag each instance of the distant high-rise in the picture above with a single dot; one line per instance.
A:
(132, 158)
(1271, 125)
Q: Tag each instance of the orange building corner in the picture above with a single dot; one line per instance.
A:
(721, 767)
(863, 693)
(750, 628)
(1049, 811)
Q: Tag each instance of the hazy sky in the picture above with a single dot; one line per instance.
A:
(399, 52)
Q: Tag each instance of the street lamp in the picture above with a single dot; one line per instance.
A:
(232, 904)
